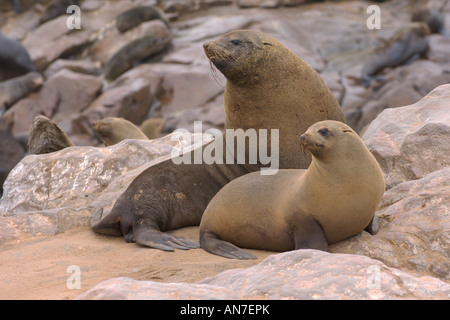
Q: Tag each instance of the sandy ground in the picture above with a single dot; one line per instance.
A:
(36, 268)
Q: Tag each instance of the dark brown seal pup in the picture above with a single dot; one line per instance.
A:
(11, 151)
(335, 198)
(46, 136)
(407, 44)
(135, 16)
(14, 59)
(268, 87)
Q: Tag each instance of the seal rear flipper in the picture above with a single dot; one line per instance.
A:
(212, 244)
(105, 224)
(152, 238)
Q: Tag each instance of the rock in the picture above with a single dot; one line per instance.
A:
(299, 274)
(414, 233)
(79, 66)
(129, 289)
(439, 47)
(119, 52)
(413, 141)
(129, 96)
(259, 3)
(51, 193)
(43, 102)
(53, 40)
(76, 92)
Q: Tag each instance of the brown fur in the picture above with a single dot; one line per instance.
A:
(11, 151)
(112, 130)
(335, 198)
(268, 87)
(152, 127)
(262, 72)
(46, 136)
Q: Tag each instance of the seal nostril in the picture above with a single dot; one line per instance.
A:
(205, 45)
(302, 137)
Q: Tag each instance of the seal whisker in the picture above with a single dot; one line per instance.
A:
(214, 73)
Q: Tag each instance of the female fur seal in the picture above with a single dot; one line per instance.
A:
(335, 198)
(268, 87)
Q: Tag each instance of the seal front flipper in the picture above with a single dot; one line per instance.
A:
(153, 238)
(213, 244)
(310, 236)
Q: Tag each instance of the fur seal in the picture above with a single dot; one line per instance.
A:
(11, 151)
(268, 87)
(406, 45)
(152, 127)
(432, 17)
(135, 16)
(13, 90)
(46, 136)
(335, 198)
(112, 130)
(14, 59)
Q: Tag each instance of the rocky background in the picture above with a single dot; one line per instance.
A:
(49, 196)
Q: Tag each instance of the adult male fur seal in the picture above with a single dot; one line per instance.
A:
(335, 198)
(268, 87)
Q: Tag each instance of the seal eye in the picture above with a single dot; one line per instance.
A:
(324, 132)
(235, 42)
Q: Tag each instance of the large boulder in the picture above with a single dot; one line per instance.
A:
(299, 274)
(413, 141)
(51, 193)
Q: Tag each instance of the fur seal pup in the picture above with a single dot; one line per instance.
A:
(268, 87)
(13, 90)
(135, 16)
(406, 45)
(432, 17)
(335, 198)
(152, 127)
(112, 130)
(46, 136)
(14, 59)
